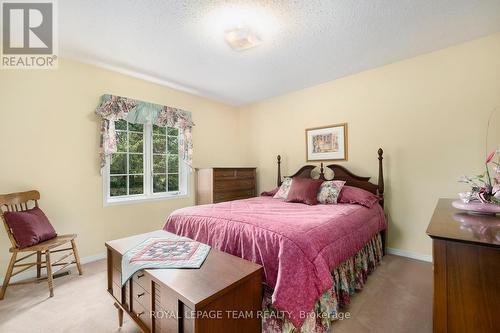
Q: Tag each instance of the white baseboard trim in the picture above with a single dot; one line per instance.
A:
(31, 273)
(409, 254)
(95, 257)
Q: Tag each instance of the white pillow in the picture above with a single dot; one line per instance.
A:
(284, 189)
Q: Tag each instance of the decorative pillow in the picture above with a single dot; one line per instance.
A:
(304, 190)
(30, 227)
(355, 195)
(284, 189)
(329, 191)
(271, 193)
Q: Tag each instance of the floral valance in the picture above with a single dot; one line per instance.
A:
(113, 108)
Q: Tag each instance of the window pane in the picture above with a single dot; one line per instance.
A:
(173, 163)
(121, 141)
(158, 129)
(159, 183)
(173, 145)
(135, 163)
(118, 164)
(135, 185)
(117, 185)
(135, 127)
(127, 173)
(159, 144)
(121, 125)
(135, 142)
(159, 164)
(173, 182)
(172, 131)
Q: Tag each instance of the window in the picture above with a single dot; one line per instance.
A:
(146, 164)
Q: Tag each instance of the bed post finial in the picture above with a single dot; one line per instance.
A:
(278, 181)
(321, 172)
(381, 175)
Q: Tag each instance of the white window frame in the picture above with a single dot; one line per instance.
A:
(148, 194)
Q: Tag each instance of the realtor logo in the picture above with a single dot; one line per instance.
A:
(28, 34)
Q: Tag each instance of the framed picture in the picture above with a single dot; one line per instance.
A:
(327, 143)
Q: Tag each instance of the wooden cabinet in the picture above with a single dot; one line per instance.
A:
(212, 298)
(224, 184)
(466, 262)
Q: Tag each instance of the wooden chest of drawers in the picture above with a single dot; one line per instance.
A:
(209, 299)
(466, 262)
(215, 185)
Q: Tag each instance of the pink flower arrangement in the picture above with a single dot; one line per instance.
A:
(484, 188)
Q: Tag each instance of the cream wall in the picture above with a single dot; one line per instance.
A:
(428, 113)
(49, 138)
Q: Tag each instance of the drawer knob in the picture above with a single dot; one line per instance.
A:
(140, 313)
(140, 295)
(140, 275)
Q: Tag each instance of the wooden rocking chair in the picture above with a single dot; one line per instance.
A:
(16, 202)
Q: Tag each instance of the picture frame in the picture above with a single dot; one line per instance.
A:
(326, 143)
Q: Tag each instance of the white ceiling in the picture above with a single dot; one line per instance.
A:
(181, 43)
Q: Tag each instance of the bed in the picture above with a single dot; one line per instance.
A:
(314, 257)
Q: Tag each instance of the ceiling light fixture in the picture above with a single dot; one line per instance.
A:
(242, 38)
(242, 26)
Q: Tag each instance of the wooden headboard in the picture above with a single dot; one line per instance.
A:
(341, 173)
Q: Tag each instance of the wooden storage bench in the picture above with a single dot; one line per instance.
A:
(224, 295)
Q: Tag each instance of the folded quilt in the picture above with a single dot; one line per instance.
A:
(170, 251)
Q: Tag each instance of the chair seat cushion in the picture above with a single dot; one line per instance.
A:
(30, 227)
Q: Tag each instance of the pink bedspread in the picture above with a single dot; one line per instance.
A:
(298, 245)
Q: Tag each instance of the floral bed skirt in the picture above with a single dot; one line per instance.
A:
(348, 277)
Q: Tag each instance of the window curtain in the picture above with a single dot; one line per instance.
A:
(113, 108)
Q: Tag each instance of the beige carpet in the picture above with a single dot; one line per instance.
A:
(397, 298)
